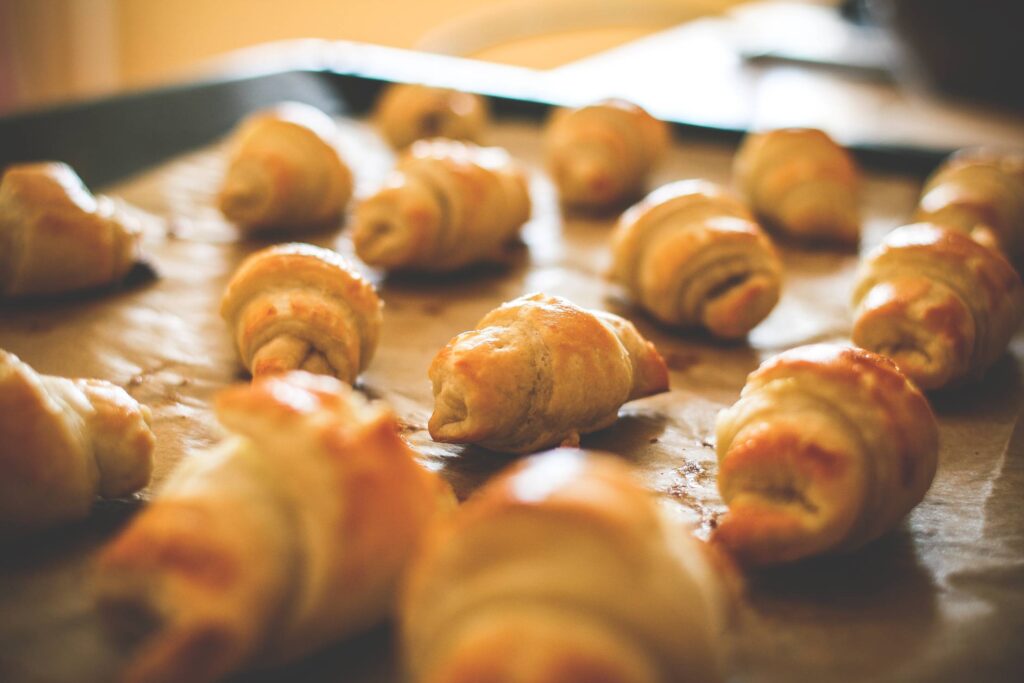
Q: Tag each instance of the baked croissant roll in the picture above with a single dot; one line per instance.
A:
(63, 442)
(301, 307)
(800, 182)
(285, 171)
(601, 155)
(56, 237)
(693, 256)
(539, 371)
(290, 534)
(407, 112)
(940, 305)
(827, 449)
(563, 568)
(979, 192)
(446, 205)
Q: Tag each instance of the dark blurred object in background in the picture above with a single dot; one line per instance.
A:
(970, 48)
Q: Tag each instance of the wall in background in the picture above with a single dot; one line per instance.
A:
(53, 50)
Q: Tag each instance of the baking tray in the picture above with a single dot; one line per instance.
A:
(939, 599)
(110, 138)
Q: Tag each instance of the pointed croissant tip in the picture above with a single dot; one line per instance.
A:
(654, 375)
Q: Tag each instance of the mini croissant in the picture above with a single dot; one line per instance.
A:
(407, 112)
(290, 534)
(563, 568)
(601, 155)
(799, 181)
(285, 171)
(693, 256)
(979, 192)
(827, 449)
(63, 442)
(539, 371)
(940, 305)
(297, 306)
(56, 237)
(446, 205)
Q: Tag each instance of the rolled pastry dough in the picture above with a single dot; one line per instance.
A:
(827, 449)
(290, 534)
(539, 371)
(564, 568)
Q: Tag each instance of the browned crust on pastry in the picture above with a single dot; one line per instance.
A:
(549, 628)
(285, 171)
(827, 449)
(942, 306)
(538, 371)
(64, 442)
(979, 192)
(446, 205)
(307, 294)
(802, 183)
(56, 237)
(600, 155)
(288, 536)
(693, 256)
(407, 112)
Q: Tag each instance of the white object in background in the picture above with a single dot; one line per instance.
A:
(695, 73)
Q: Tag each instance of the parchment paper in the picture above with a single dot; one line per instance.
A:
(940, 599)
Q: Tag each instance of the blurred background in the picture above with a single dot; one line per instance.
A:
(54, 50)
(923, 72)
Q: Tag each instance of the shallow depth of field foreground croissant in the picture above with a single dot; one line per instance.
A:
(56, 237)
(539, 371)
(827, 449)
(564, 568)
(290, 534)
(63, 442)
(301, 307)
(446, 205)
(693, 256)
(941, 305)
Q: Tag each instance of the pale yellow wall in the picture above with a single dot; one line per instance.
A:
(159, 37)
(34, 50)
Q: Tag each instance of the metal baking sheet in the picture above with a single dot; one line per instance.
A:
(940, 599)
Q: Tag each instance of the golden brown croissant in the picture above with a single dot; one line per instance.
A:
(693, 256)
(799, 181)
(600, 155)
(979, 192)
(942, 306)
(827, 449)
(285, 171)
(563, 568)
(539, 371)
(446, 205)
(297, 306)
(55, 236)
(62, 443)
(407, 112)
(290, 534)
